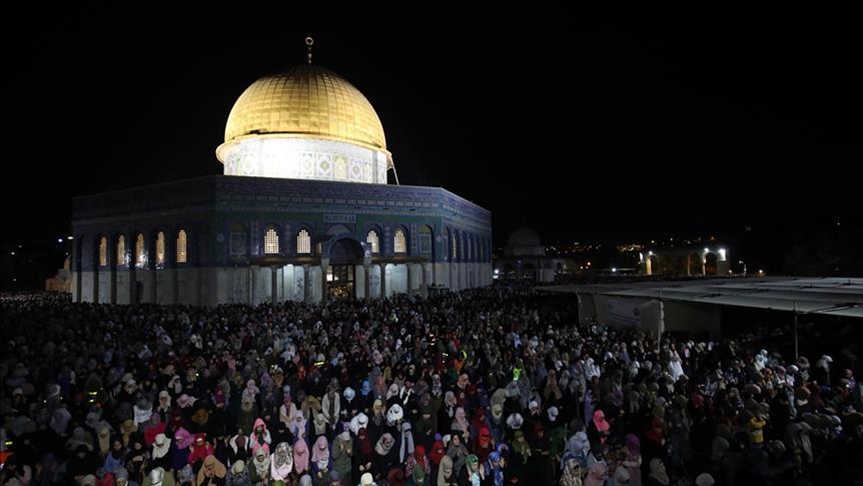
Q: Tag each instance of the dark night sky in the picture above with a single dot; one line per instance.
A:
(584, 127)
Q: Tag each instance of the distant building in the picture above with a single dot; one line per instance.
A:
(701, 259)
(303, 212)
(524, 258)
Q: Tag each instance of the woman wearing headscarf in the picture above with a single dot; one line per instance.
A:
(318, 428)
(461, 425)
(164, 408)
(342, 454)
(281, 464)
(161, 453)
(519, 460)
(180, 451)
(445, 473)
(597, 475)
(199, 450)
(658, 474)
(322, 462)
(239, 447)
(260, 435)
(386, 456)
(300, 426)
(212, 472)
(259, 466)
(483, 445)
(363, 452)
(418, 457)
(116, 457)
(152, 428)
(137, 460)
(579, 447)
(570, 471)
(239, 475)
(472, 473)
(457, 451)
(103, 440)
(632, 461)
(301, 456)
(407, 443)
(598, 429)
(288, 408)
(247, 415)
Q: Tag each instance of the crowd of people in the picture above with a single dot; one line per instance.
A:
(495, 386)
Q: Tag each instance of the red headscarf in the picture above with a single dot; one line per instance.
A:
(198, 450)
(437, 452)
(366, 445)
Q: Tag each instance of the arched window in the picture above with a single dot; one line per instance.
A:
(453, 246)
(140, 252)
(400, 244)
(373, 241)
(121, 250)
(160, 248)
(304, 242)
(103, 252)
(271, 242)
(239, 240)
(182, 255)
(425, 239)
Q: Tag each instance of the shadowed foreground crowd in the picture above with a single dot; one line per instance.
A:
(486, 387)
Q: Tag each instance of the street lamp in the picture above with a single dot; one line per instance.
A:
(744, 266)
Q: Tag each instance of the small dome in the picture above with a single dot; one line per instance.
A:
(524, 242)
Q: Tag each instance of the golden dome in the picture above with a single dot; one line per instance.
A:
(305, 101)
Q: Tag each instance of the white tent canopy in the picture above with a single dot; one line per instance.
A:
(693, 300)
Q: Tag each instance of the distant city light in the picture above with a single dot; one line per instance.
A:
(706, 249)
(496, 271)
(613, 269)
(70, 237)
(59, 240)
(13, 253)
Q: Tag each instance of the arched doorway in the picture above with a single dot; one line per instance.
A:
(710, 262)
(345, 255)
(652, 265)
(694, 264)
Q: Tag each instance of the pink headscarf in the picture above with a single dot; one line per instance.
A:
(600, 422)
(596, 475)
(182, 438)
(301, 456)
(321, 450)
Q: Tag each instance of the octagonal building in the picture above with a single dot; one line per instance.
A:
(303, 212)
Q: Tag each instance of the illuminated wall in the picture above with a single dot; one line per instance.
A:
(300, 158)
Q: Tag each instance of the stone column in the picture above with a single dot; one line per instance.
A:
(423, 283)
(325, 262)
(410, 274)
(274, 285)
(251, 284)
(367, 270)
(383, 267)
(307, 288)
